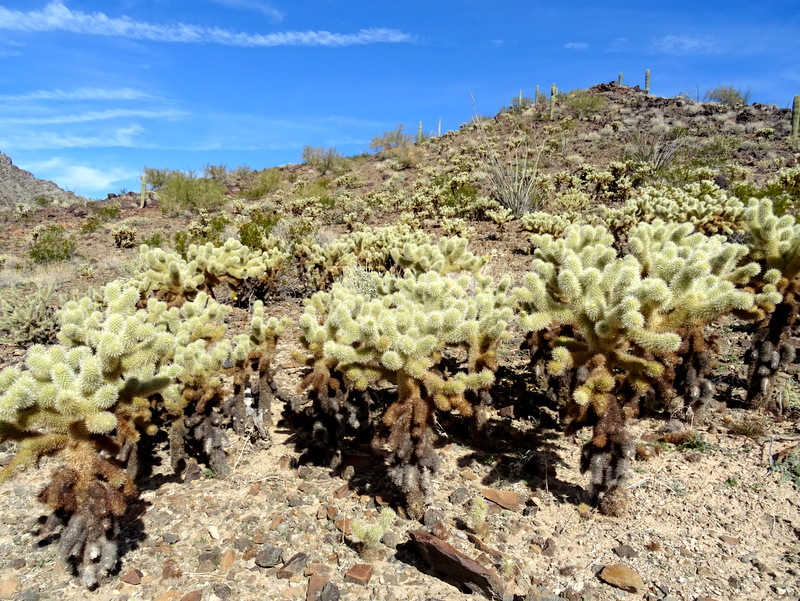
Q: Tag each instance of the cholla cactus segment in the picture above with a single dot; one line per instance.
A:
(773, 240)
(230, 264)
(540, 222)
(774, 243)
(167, 276)
(253, 386)
(398, 335)
(449, 256)
(618, 324)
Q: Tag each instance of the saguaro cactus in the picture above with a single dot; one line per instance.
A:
(796, 116)
(647, 81)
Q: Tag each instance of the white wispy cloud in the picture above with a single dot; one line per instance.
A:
(255, 6)
(78, 94)
(576, 46)
(685, 44)
(618, 45)
(81, 179)
(56, 16)
(23, 140)
(92, 116)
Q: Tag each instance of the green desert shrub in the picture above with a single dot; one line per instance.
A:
(184, 191)
(584, 103)
(395, 138)
(729, 96)
(266, 182)
(50, 243)
(254, 233)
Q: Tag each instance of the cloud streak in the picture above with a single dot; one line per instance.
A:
(58, 17)
(254, 6)
(122, 137)
(684, 44)
(92, 116)
(79, 94)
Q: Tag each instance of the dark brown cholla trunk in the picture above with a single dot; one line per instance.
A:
(413, 460)
(772, 350)
(607, 456)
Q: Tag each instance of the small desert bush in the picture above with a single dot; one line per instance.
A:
(390, 139)
(154, 240)
(253, 233)
(324, 160)
(50, 243)
(584, 103)
(184, 191)
(218, 173)
(155, 178)
(266, 182)
(206, 228)
(729, 96)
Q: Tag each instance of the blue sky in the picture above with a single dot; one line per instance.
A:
(91, 92)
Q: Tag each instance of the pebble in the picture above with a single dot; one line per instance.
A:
(622, 577)
(268, 557)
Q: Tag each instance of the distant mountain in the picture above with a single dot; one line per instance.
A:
(18, 186)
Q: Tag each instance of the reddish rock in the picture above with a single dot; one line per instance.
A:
(193, 596)
(315, 585)
(504, 498)
(133, 577)
(342, 492)
(622, 577)
(345, 525)
(731, 540)
(445, 558)
(8, 586)
(360, 573)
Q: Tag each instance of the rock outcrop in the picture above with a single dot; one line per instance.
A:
(18, 186)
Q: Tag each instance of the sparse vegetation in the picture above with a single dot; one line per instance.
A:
(648, 263)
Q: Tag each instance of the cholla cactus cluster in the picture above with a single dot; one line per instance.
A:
(775, 244)
(169, 277)
(614, 328)
(400, 335)
(124, 368)
(253, 385)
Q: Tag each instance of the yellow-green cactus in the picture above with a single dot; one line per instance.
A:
(398, 335)
(612, 327)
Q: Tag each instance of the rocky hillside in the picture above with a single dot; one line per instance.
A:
(18, 186)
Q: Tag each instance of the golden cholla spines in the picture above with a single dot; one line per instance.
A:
(774, 243)
(398, 336)
(86, 401)
(450, 255)
(230, 264)
(611, 327)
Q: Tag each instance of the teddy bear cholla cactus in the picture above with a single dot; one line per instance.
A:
(611, 326)
(399, 336)
(89, 399)
(253, 385)
(168, 277)
(774, 243)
